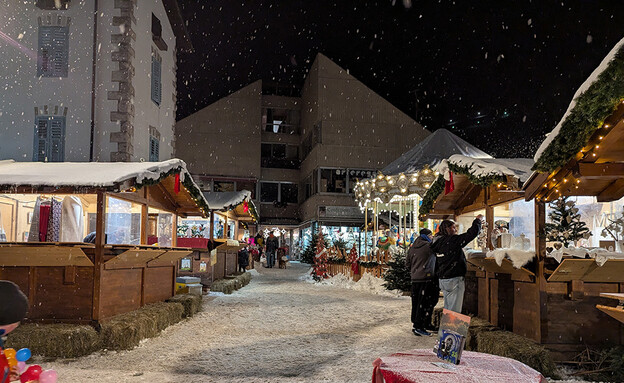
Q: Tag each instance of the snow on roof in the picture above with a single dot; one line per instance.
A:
(482, 167)
(84, 174)
(590, 80)
(437, 146)
(223, 201)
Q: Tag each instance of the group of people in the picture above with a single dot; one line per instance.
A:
(438, 263)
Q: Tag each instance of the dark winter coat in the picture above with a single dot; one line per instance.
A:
(243, 257)
(271, 244)
(450, 258)
(420, 261)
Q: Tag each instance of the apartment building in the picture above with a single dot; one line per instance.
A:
(299, 151)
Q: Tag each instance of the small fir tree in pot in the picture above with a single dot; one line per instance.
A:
(310, 250)
(398, 277)
(566, 225)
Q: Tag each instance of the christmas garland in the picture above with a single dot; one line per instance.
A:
(438, 186)
(188, 183)
(369, 264)
(591, 109)
(434, 191)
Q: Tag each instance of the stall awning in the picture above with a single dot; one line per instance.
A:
(470, 177)
(173, 179)
(584, 154)
(239, 202)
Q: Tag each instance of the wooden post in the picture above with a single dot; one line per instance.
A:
(365, 228)
(540, 280)
(98, 264)
(489, 217)
(144, 223)
(212, 217)
(174, 235)
(225, 227)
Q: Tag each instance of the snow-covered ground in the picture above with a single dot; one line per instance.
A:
(279, 328)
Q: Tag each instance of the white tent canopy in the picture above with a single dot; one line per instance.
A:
(440, 145)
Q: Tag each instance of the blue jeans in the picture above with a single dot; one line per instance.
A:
(453, 289)
(270, 258)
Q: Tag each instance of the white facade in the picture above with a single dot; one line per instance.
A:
(124, 113)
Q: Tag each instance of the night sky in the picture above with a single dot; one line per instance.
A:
(516, 66)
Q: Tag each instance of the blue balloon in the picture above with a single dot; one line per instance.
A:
(23, 354)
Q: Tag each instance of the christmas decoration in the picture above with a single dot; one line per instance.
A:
(353, 260)
(320, 260)
(449, 185)
(566, 225)
(310, 250)
(398, 277)
(615, 228)
(597, 99)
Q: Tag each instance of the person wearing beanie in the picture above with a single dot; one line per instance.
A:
(13, 308)
(420, 260)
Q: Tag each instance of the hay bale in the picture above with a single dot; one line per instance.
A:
(232, 283)
(55, 340)
(192, 303)
(510, 345)
(125, 331)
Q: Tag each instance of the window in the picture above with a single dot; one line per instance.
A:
(269, 191)
(358, 174)
(53, 51)
(280, 192)
(224, 186)
(280, 120)
(157, 34)
(53, 5)
(156, 84)
(123, 222)
(49, 141)
(333, 181)
(289, 193)
(154, 149)
(279, 156)
(247, 185)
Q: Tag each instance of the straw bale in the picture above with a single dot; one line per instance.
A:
(192, 303)
(125, 331)
(55, 340)
(230, 284)
(510, 345)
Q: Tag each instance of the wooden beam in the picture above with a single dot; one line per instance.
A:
(98, 264)
(613, 192)
(534, 185)
(144, 223)
(603, 170)
(468, 197)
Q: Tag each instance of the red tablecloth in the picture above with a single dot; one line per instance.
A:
(196, 243)
(417, 366)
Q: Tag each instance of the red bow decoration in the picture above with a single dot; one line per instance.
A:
(245, 206)
(176, 186)
(449, 186)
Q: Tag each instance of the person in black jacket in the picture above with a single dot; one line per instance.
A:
(451, 261)
(243, 259)
(420, 261)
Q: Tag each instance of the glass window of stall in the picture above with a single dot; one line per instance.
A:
(123, 222)
(160, 223)
(597, 216)
(193, 227)
(46, 218)
(464, 222)
(514, 225)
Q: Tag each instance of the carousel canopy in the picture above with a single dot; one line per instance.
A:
(439, 145)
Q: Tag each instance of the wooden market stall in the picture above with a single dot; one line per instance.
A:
(214, 251)
(495, 289)
(583, 156)
(75, 235)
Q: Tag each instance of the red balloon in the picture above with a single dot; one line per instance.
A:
(31, 374)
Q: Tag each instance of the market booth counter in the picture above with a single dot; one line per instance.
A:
(216, 241)
(581, 165)
(501, 269)
(48, 209)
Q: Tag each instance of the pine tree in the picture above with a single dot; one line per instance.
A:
(398, 275)
(310, 250)
(566, 225)
(320, 260)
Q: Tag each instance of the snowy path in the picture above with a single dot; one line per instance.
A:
(276, 329)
